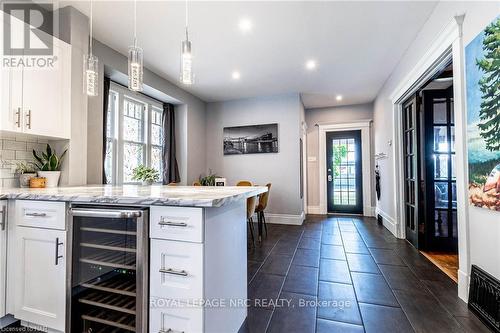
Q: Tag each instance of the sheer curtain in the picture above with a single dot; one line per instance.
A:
(170, 168)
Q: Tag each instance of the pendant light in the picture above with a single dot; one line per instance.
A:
(91, 63)
(186, 75)
(135, 60)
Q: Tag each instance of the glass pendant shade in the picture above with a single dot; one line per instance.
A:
(187, 76)
(91, 75)
(135, 68)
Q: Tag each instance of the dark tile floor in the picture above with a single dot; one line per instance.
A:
(348, 274)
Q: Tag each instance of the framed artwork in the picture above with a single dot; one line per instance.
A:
(482, 69)
(253, 139)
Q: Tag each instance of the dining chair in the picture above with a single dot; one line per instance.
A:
(261, 206)
(251, 202)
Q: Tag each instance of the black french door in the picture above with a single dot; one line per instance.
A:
(412, 182)
(344, 172)
(441, 204)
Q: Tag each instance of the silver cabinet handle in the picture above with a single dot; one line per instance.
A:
(173, 272)
(28, 119)
(119, 214)
(18, 115)
(57, 251)
(170, 331)
(36, 214)
(3, 212)
(173, 224)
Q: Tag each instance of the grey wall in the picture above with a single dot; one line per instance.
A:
(332, 115)
(484, 226)
(281, 169)
(190, 126)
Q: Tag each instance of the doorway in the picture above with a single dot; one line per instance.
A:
(429, 170)
(344, 172)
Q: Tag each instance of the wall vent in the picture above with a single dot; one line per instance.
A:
(484, 297)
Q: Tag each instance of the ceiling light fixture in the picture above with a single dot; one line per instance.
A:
(236, 75)
(311, 65)
(338, 98)
(91, 63)
(245, 25)
(186, 75)
(135, 60)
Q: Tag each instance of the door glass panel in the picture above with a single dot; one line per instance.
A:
(441, 223)
(454, 195)
(441, 166)
(441, 194)
(440, 116)
(452, 141)
(440, 139)
(453, 176)
(452, 111)
(409, 142)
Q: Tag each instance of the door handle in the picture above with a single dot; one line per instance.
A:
(330, 178)
(18, 116)
(28, 119)
(57, 251)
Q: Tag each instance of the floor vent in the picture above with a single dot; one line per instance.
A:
(484, 297)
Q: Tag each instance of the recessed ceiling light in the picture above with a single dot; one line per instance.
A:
(311, 64)
(236, 75)
(245, 25)
(338, 98)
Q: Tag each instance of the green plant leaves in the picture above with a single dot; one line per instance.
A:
(48, 161)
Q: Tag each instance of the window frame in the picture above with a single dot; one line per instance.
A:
(117, 104)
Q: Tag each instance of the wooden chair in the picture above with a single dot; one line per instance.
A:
(261, 207)
(251, 202)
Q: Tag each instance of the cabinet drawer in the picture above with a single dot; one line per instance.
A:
(176, 270)
(164, 317)
(177, 223)
(41, 214)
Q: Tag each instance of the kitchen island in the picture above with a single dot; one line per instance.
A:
(182, 251)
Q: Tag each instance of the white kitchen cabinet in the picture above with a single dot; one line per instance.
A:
(3, 256)
(40, 277)
(37, 100)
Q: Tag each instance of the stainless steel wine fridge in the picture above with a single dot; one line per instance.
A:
(108, 284)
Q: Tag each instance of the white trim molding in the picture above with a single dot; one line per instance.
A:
(387, 221)
(284, 218)
(313, 210)
(447, 45)
(364, 126)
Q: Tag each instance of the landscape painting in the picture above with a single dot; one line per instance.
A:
(482, 66)
(252, 139)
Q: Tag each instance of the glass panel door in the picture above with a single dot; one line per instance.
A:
(344, 169)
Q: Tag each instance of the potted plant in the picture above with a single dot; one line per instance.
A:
(26, 171)
(208, 180)
(148, 176)
(49, 165)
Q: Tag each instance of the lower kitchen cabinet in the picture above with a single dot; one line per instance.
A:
(40, 277)
(3, 255)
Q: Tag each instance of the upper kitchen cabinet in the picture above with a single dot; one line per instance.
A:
(36, 91)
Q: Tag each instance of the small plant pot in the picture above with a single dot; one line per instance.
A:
(147, 182)
(51, 176)
(24, 179)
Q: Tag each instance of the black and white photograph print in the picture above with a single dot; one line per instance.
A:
(253, 139)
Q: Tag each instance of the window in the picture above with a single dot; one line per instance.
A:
(134, 134)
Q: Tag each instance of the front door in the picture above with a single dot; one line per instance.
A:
(344, 172)
(441, 191)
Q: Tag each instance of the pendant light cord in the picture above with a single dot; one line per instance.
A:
(91, 23)
(135, 22)
(187, 37)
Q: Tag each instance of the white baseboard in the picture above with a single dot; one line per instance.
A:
(285, 218)
(314, 210)
(463, 286)
(388, 221)
(369, 211)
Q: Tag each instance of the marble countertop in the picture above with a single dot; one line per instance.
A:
(192, 196)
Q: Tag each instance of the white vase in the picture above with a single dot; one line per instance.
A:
(51, 176)
(24, 179)
(147, 182)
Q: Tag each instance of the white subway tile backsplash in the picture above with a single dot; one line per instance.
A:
(7, 154)
(24, 155)
(14, 145)
(37, 146)
(6, 173)
(10, 182)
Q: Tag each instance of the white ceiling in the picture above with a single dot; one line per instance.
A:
(356, 44)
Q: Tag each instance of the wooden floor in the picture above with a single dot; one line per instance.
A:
(348, 274)
(447, 262)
